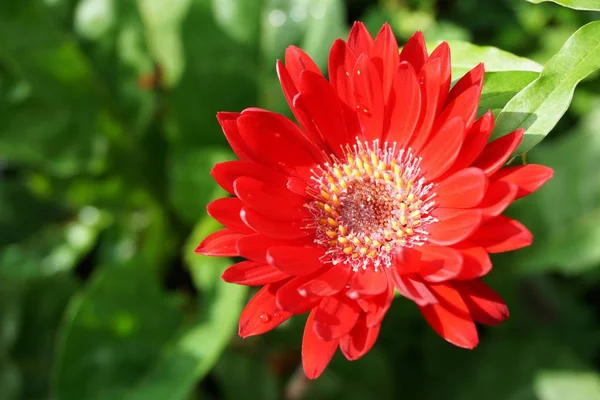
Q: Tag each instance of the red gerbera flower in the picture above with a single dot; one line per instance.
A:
(389, 183)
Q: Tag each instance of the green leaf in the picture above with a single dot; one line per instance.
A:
(53, 249)
(572, 385)
(43, 303)
(113, 331)
(239, 18)
(194, 354)
(214, 80)
(56, 100)
(162, 19)
(591, 5)
(466, 55)
(191, 185)
(500, 87)
(564, 215)
(539, 106)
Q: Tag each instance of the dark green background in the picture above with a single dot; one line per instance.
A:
(107, 135)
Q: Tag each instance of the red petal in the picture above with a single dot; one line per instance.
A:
(439, 154)
(341, 65)
(454, 225)
(367, 282)
(464, 189)
(475, 141)
(359, 39)
(316, 353)
(442, 51)
(278, 142)
(252, 273)
(472, 78)
(227, 211)
(502, 234)
(440, 264)
(377, 306)
(414, 51)
(385, 57)
(318, 99)
(226, 172)
(359, 341)
(485, 305)
(430, 80)
(408, 261)
(295, 260)
(528, 178)
(272, 203)
(411, 287)
(464, 106)
(297, 185)
(335, 317)
(290, 91)
(476, 261)
(261, 314)
(459, 331)
(368, 96)
(496, 153)
(288, 298)
(330, 282)
(297, 61)
(406, 100)
(498, 197)
(221, 243)
(254, 247)
(228, 122)
(291, 229)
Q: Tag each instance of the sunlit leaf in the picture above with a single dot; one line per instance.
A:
(500, 87)
(539, 106)
(466, 55)
(593, 5)
(572, 385)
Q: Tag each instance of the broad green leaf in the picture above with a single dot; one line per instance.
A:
(500, 87)
(43, 303)
(190, 185)
(54, 249)
(592, 5)
(539, 106)
(194, 354)
(564, 215)
(572, 385)
(162, 19)
(113, 331)
(465, 56)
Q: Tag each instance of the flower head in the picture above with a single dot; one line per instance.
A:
(388, 184)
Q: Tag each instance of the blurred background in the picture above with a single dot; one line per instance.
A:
(107, 137)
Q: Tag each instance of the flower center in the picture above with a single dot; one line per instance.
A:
(371, 205)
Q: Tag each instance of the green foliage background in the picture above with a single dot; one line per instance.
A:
(107, 136)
